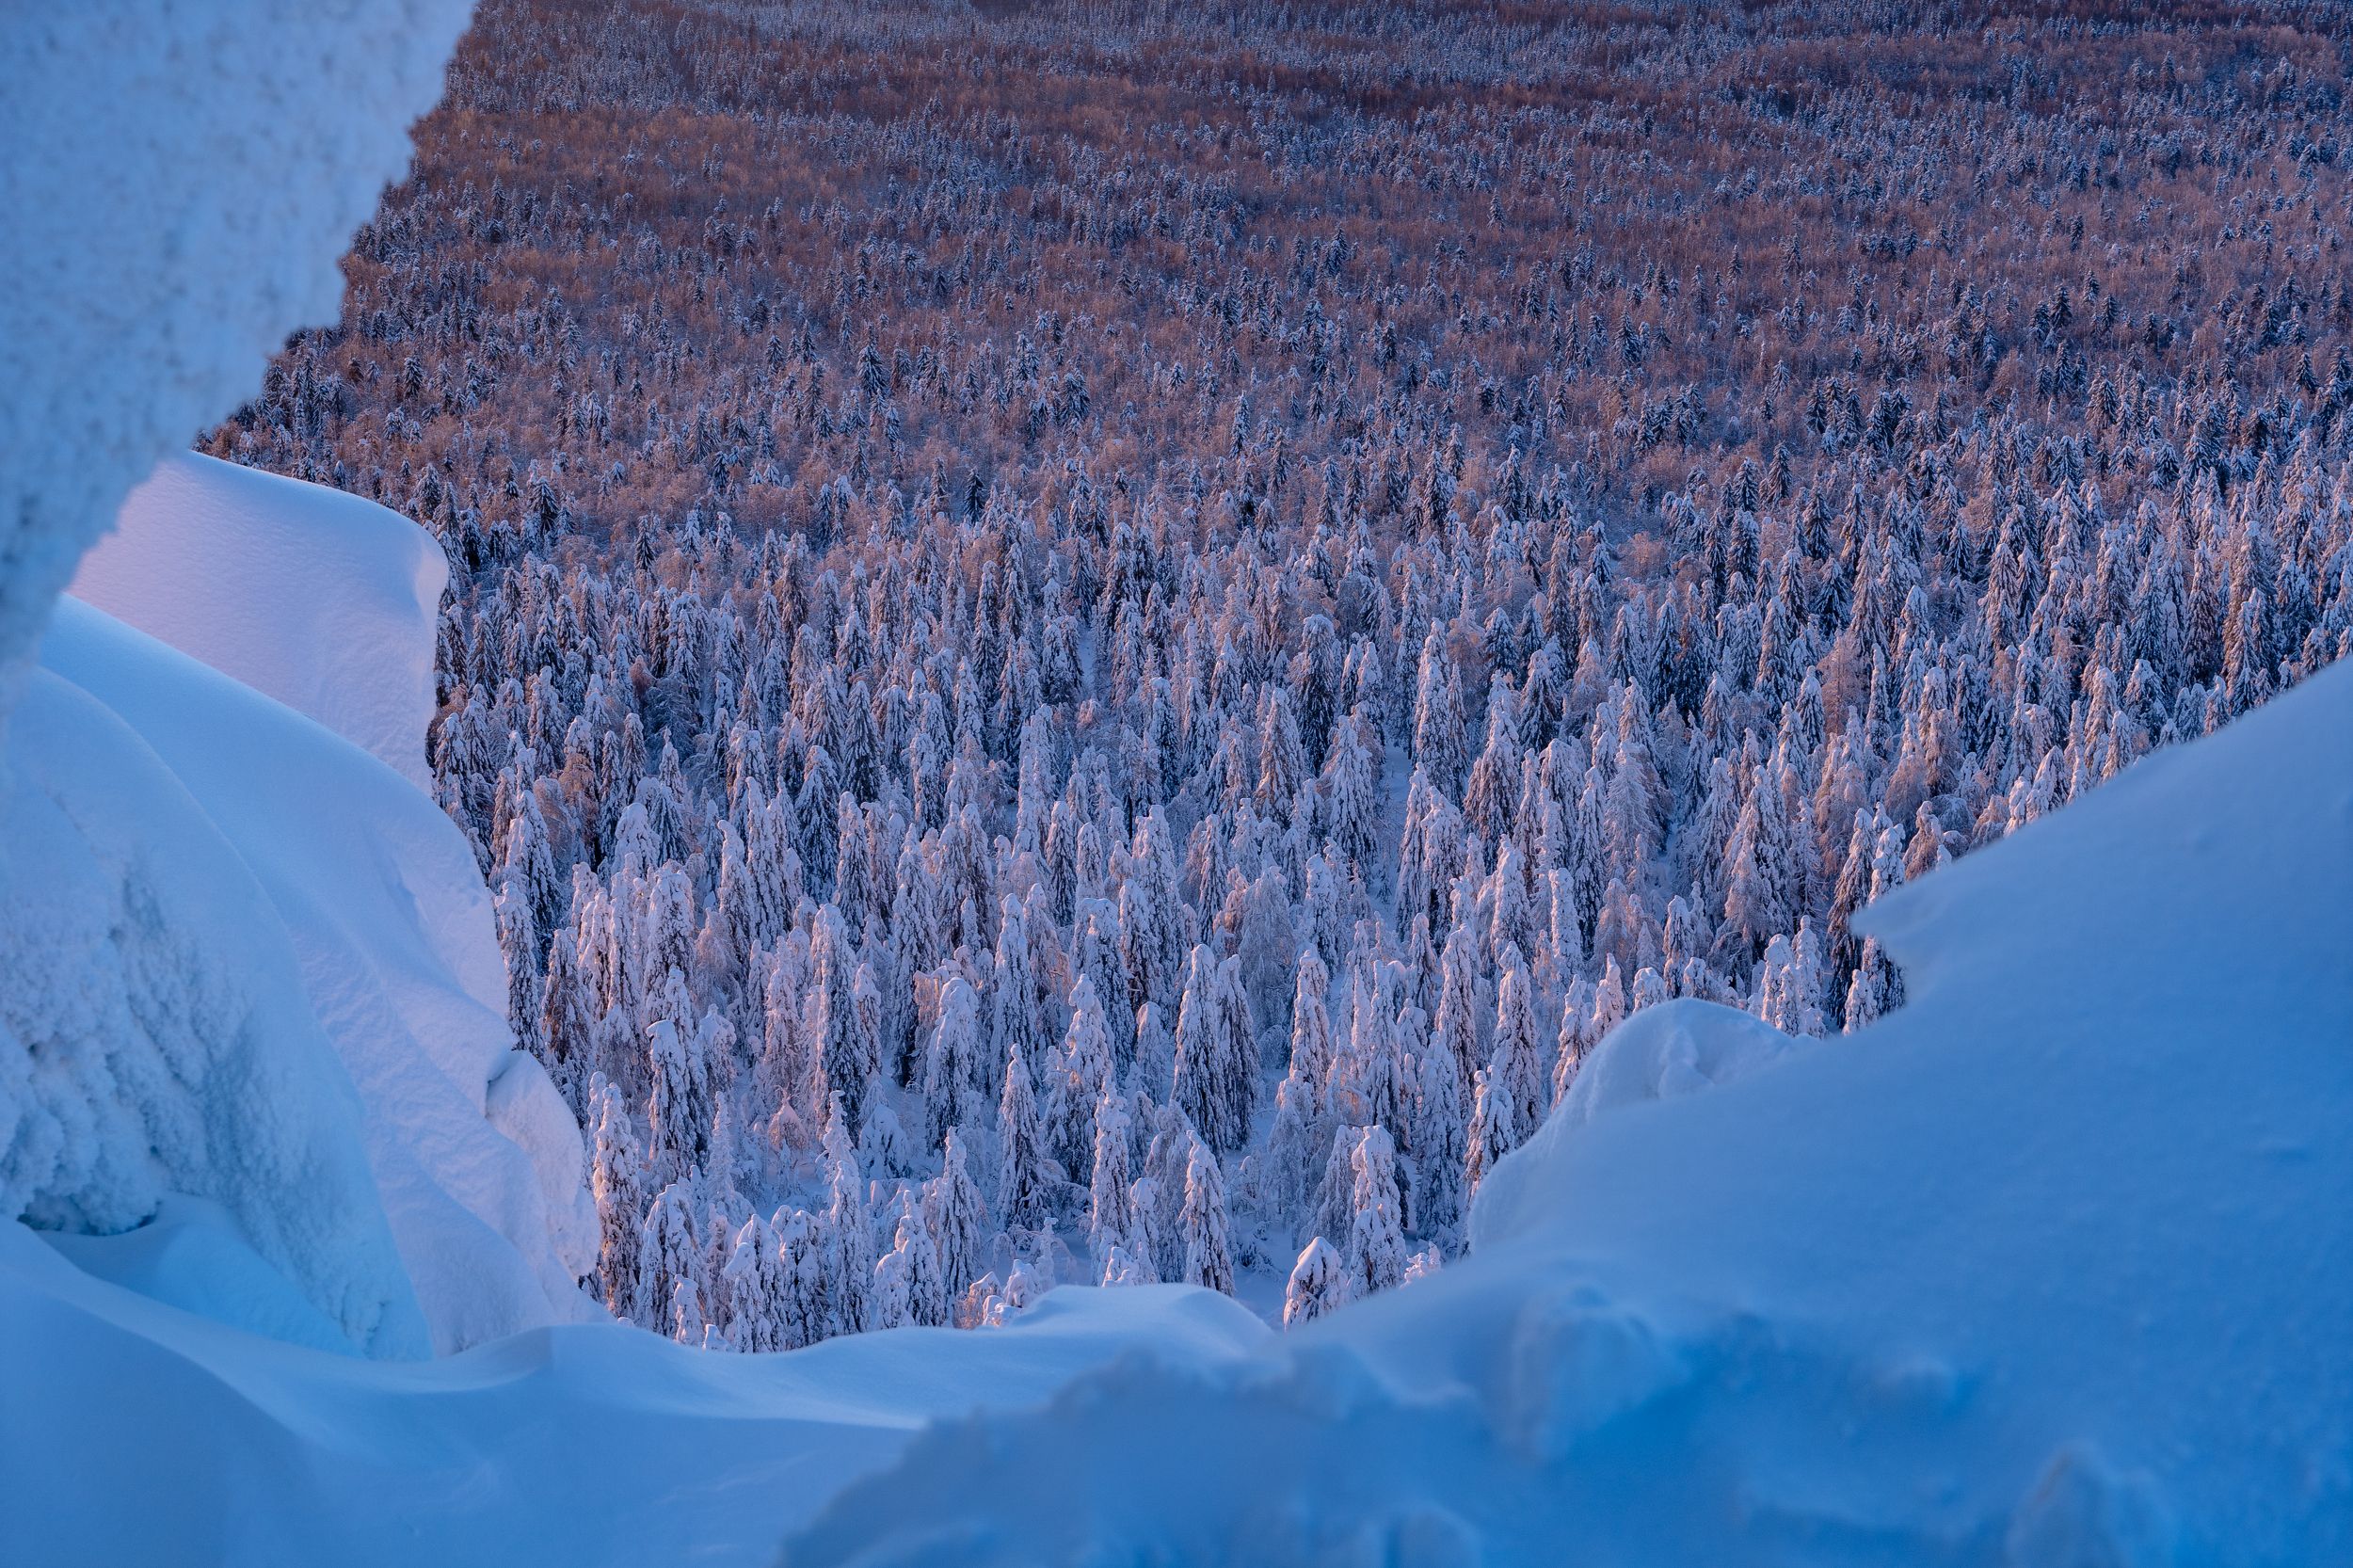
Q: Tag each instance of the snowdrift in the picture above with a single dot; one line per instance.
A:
(382, 905)
(2052, 1268)
(227, 917)
(135, 1433)
(323, 600)
(154, 1034)
(329, 603)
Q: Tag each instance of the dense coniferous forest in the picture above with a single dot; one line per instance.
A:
(1099, 642)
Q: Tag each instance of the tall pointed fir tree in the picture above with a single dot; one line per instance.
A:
(679, 1111)
(1376, 1237)
(617, 1185)
(957, 1217)
(1027, 1180)
(1217, 1053)
(1109, 1178)
(1208, 1244)
(954, 1063)
(1516, 1065)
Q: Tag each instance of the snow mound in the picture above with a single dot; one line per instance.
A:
(323, 601)
(2051, 1266)
(186, 176)
(389, 921)
(198, 878)
(1674, 1048)
(154, 1036)
(589, 1445)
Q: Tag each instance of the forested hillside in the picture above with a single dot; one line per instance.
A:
(1098, 643)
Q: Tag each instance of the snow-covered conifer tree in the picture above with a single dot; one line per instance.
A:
(1320, 1283)
(1028, 1182)
(1376, 1237)
(1208, 1246)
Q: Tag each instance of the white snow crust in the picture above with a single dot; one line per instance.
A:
(180, 181)
(135, 1433)
(326, 601)
(154, 1034)
(383, 907)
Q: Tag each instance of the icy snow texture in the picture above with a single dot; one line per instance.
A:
(2052, 1268)
(373, 898)
(181, 176)
(391, 928)
(187, 896)
(303, 593)
(154, 1036)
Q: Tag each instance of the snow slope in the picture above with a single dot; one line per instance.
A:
(2053, 1267)
(154, 1035)
(385, 911)
(323, 600)
(135, 1433)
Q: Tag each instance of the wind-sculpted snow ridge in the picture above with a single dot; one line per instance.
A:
(2050, 1268)
(154, 1036)
(181, 180)
(478, 1164)
(323, 600)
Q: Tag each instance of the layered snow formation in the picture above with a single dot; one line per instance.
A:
(384, 910)
(215, 913)
(227, 918)
(180, 180)
(154, 1033)
(329, 603)
(2050, 1268)
(134, 1432)
(303, 593)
